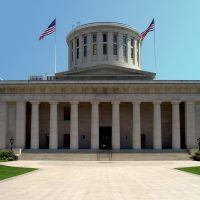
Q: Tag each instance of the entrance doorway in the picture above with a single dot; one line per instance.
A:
(66, 141)
(105, 138)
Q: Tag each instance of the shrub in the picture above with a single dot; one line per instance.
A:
(197, 156)
(7, 155)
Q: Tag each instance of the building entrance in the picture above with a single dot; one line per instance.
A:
(105, 138)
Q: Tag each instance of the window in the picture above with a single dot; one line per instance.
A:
(124, 39)
(115, 38)
(85, 39)
(104, 43)
(94, 45)
(85, 45)
(104, 49)
(94, 49)
(104, 37)
(114, 49)
(132, 47)
(84, 51)
(94, 38)
(66, 113)
(77, 53)
(77, 42)
(124, 45)
(77, 48)
(114, 44)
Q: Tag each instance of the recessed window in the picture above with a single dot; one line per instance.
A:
(124, 39)
(104, 37)
(66, 113)
(77, 48)
(124, 50)
(77, 42)
(114, 49)
(124, 45)
(104, 43)
(94, 49)
(77, 53)
(104, 49)
(132, 48)
(84, 51)
(114, 44)
(85, 45)
(84, 39)
(94, 38)
(115, 38)
(132, 42)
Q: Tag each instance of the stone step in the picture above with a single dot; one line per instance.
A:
(71, 156)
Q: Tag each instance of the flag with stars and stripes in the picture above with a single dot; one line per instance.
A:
(151, 27)
(51, 29)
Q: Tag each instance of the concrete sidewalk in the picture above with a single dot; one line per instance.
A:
(67, 180)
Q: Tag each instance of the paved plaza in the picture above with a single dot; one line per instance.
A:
(87, 180)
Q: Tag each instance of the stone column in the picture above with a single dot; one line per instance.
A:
(20, 124)
(35, 125)
(136, 135)
(99, 46)
(136, 62)
(110, 46)
(74, 125)
(190, 125)
(176, 140)
(115, 126)
(157, 135)
(95, 126)
(3, 119)
(53, 136)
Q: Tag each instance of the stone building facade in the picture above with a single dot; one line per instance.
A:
(104, 100)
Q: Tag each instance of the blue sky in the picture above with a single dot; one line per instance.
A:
(22, 21)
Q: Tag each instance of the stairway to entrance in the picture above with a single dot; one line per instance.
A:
(105, 155)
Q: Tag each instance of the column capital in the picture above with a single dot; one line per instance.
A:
(136, 102)
(18, 101)
(115, 102)
(95, 102)
(53, 102)
(157, 102)
(74, 102)
(190, 102)
(35, 102)
(175, 102)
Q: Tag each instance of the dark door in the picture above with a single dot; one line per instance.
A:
(46, 141)
(66, 141)
(105, 138)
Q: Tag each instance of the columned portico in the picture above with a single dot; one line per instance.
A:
(53, 140)
(157, 136)
(35, 125)
(95, 126)
(3, 114)
(115, 126)
(176, 140)
(74, 126)
(136, 126)
(20, 124)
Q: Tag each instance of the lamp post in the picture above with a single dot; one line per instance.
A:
(11, 143)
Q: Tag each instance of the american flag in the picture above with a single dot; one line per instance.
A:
(151, 27)
(51, 29)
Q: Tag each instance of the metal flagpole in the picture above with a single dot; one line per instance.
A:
(155, 59)
(55, 70)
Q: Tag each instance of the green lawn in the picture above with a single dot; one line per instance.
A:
(7, 172)
(194, 170)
